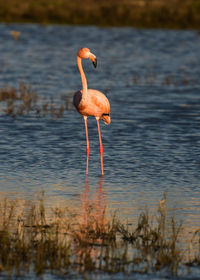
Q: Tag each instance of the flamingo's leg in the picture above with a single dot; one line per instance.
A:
(88, 144)
(101, 146)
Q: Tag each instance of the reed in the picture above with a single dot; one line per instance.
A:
(24, 100)
(32, 240)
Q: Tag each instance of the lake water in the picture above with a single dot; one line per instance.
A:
(151, 78)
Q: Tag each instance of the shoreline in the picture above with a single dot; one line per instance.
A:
(148, 14)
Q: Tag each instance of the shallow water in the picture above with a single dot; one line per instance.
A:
(153, 142)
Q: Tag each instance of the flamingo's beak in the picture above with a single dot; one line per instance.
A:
(94, 60)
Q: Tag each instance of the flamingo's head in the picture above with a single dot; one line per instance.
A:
(85, 53)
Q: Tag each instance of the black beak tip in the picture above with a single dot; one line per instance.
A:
(95, 63)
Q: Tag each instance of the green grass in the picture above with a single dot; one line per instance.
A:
(138, 13)
(60, 242)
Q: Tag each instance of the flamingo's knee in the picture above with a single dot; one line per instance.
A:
(101, 150)
(88, 151)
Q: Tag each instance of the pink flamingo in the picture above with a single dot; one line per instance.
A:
(91, 102)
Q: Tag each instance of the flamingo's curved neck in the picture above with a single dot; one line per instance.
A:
(83, 77)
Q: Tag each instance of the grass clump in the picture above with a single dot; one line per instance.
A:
(33, 240)
(24, 101)
(156, 241)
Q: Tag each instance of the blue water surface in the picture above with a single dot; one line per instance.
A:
(151, 78)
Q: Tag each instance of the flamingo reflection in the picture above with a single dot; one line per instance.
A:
(92, 227)
(93, 211)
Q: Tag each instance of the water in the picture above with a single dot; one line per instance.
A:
(153, 142)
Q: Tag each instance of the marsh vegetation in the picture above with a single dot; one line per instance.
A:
(24, 100)
(137, 13)
(34, 240)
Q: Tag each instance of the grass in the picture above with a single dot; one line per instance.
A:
(24, 100)
(138, 13)
(34, 241)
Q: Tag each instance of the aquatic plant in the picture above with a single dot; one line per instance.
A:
(24, 100)
(34, 240)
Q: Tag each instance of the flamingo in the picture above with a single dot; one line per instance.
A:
(91, 102)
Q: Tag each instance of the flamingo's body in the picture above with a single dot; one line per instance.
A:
(91, 102)
(95, 104)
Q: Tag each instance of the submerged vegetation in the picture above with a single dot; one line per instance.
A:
(24, 100)
(137, 13)
(32, 240)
